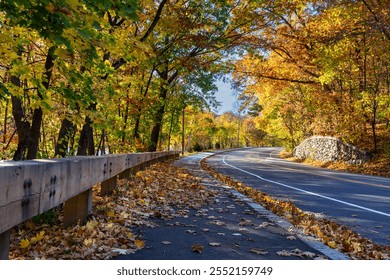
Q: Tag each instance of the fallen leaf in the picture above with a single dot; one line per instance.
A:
(308, 254)
(284, 253)
(33, 240)
(264, 225)
(110, 213)
(296, 252)
(139, 244)
(88, 242)
(40, 235)
(245, 222)
(24, 243)
(258, 251)
(91, 224)
(197, 248)
(218, 223)
(332, 244)
(121, 251)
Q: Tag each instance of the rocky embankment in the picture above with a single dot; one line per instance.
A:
(325, 149)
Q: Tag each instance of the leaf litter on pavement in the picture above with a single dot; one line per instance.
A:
(332, 234)
(162, 191)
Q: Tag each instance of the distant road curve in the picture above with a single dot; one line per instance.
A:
(357, 201)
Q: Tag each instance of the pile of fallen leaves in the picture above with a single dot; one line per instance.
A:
(329, 232)
(162, 191)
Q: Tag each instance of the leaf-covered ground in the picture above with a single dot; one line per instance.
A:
(161, 191)
(334, 235)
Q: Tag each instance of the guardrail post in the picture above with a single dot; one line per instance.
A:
(125, 174)
(108, 186)
(77, 208)
(4, 245)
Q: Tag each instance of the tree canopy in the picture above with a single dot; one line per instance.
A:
(90, 77)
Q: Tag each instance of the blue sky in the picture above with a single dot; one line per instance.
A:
(225, 96)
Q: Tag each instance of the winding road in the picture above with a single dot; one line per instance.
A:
(357, 201)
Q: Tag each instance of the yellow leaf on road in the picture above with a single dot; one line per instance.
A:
(197, 248)
(139, 244)
(258, 251)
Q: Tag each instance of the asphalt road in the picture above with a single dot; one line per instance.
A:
(357, 201)
(229, 228)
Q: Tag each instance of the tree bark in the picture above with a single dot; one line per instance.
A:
(35, 129)
(86, 143)
(155, 135)
(138, 115)
(183, 131)
(34, 135)
(5, 122)
(22, 125)
(66, 132)
(158, 118)
(170, 129)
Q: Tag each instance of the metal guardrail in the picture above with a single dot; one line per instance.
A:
(29, 188)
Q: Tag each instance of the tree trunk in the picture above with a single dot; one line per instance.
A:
(125, 118)
(66, 131)
(170, 129)
(138, 115)
(155, 135)
(35, 129)
(34, 135)
(86, 142)
(183, 131)
(22, 125)
(156, 131)
(5, 122)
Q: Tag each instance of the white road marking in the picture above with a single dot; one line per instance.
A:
(307, 192)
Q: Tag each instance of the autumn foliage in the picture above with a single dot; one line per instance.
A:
(321, 67)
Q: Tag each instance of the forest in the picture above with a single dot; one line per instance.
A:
(85, 77)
